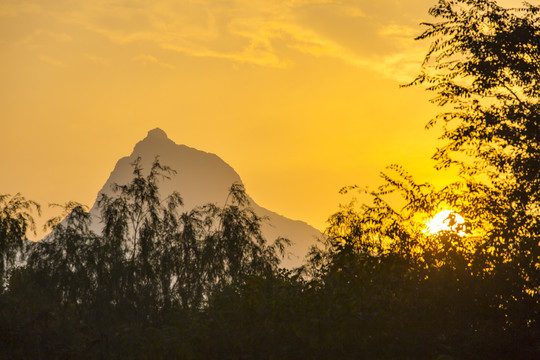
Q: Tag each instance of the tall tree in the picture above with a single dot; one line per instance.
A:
(16, 220)
(484, 66)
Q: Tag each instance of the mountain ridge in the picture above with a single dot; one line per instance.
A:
(202, 177)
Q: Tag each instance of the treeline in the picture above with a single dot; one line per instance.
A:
(161, 283)
(80, 293)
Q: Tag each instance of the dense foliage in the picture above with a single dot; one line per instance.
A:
(205, 284)
(151, 261)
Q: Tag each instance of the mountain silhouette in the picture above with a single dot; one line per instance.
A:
(203, 178)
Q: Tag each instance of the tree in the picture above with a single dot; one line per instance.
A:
(16, 219)
(484, 66)
(147, 284)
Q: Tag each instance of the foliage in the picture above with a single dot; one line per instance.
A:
(161, 283)
(482, 288)
(484, 65)
(16, 220)
(150, 262)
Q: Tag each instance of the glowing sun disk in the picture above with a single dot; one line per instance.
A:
(446, 220)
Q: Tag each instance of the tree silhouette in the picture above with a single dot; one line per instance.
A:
(482, 288)
(151, 263)
(484, 66)
(160, 282)
(16, 219)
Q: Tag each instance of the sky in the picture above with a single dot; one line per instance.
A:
(300, 97)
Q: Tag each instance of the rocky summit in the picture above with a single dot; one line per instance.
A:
(203, 178)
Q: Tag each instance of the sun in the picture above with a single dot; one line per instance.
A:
(446, 220)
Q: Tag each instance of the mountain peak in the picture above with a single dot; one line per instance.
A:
(157, 133)
(204, 178)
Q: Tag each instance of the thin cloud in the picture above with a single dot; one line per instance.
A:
(144, 60)
(97, 60)
(247, 56)
(16, 8)
(260, 32)
(40, 34)
(52, 61)
(400, 31)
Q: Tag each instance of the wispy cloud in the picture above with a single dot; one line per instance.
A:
(261, 32)
(40, 34)
(148, 59)
(97, 60)
(400, 31)
(52, 61)
(16, 8)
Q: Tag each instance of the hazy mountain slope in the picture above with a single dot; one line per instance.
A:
(205, 178)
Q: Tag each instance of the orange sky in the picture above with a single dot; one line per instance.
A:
(300, 97)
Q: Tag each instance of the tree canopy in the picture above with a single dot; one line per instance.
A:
(159, 282)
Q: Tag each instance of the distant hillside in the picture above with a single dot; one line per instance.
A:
(205, 178)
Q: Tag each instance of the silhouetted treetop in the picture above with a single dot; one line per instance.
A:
(16, 220)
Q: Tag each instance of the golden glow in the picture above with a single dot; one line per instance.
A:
(300, 97)
(446, 220)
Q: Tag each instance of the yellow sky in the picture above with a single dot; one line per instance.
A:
(300, 97)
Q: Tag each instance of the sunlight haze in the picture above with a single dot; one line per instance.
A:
(300, 97)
